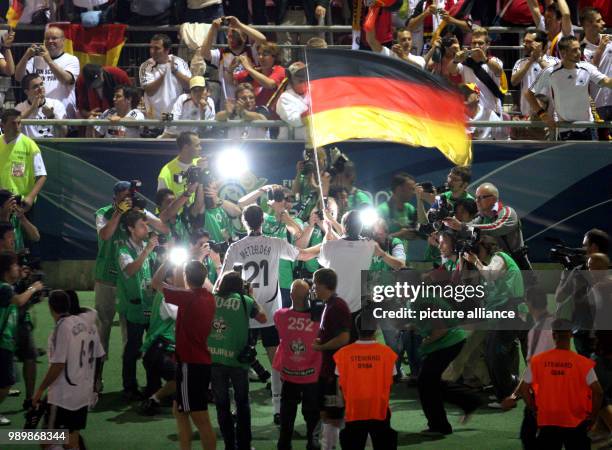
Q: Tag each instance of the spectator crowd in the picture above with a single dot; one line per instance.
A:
(563, 74)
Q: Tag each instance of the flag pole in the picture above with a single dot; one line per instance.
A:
(312, 133)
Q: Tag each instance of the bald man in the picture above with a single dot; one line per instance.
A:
(497, 220)
(57, 69)
(600, 293)
(298, 365)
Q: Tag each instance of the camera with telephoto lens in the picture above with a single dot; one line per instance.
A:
(338, 166)
(466, 241)
(138, 200)
(220, 248)
(444, 210)
(568, 257)
(430, 188)
(246, 286)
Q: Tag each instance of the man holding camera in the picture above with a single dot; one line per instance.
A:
(397, 212)
(196, 311)
(57, 69)
(22, 169)
(260, 256)
(12, 211)
(189, 147)
(134, 293)
(110, 236)
(38, 106)
(214, 213)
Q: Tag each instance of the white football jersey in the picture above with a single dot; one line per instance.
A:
(74, 342)
(260, 257)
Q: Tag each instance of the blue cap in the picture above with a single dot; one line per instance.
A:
(121, 186)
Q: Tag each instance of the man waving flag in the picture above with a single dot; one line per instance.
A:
(362, 95)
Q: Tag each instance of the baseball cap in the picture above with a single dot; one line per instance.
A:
(121, 186)
(297, 70)
(92, 73)
(197, 82)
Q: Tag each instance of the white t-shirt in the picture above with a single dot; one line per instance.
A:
(416, 60)
(89, 4)
(260, 257)
(247, 132)
(481, 133)
(569, 89)
(348, 259)
(185, 109)
(488, 100)
(601, 96)
(418, 40)
(75, 343)
(53, 88)
(290, 107)
(163, 100)
(115, 131)
(529, 78)
(223, 60)
(41, 131)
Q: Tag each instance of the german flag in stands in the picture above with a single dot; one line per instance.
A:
(97, 45)
(14, 12)
(364, 95)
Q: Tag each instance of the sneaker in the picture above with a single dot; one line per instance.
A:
(4, 420)
(495, 405)
(149, 407)
(132, 395)
(434, 433)
(493, 398)
(277, 419)
(14, 393)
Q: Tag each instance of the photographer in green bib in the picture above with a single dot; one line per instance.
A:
(134, 293)
(399, 214)
(504, 291)
(172, 212)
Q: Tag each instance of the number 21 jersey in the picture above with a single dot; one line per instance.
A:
(260, 257)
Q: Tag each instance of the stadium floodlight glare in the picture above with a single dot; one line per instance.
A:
(178, 255)
(368, 217)
(232, 163)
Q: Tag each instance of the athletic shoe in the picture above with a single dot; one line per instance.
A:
(277, 419)
(493, 398)
(132, 395)
(495, 405)
(14, 393)
(434, 433)
(149, 407)
(4, 420)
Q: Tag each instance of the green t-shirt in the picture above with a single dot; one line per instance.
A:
(219, 224)
(230, 329)
(358, 198)
(432, 253)
(8, 317)
(179, 230)
(453, 334)
(134, 294)
(396, 220)
(308, 197)
(106, 261)
(158, 326)
(449, 197)
(19, 241)
(273, 228)
(212, 270)
(312, 265)
(510, 285)
(378, 263)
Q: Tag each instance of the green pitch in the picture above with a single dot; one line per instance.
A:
(117, 425)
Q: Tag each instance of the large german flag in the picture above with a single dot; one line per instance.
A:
(363, 95)
(97, 45)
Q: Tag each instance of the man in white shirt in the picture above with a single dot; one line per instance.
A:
(568, 83)
(163, 77)
(37, 106)
(527, 69)
(598, 51)
(348, 256)
(75, 354)
(125, 107)
(475, 66)
(556, 22)
(476, 112)
(295, 101)
(58, 70)
(197, 105)
(243, 109)
(401, 48)
(241, 39)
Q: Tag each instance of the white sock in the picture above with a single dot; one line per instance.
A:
(330, 435)
(277, 386)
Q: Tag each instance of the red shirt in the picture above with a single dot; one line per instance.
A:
(87, 99)
(336, 319)
(196, 311)
(262, 95)
(518, 13)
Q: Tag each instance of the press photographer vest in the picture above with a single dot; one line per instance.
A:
(509, 286)
(106, 259)
(159, 327)
(134, 293)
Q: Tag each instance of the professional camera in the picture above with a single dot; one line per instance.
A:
(277, 195)
(568, 257)
(429, 187)
(338, 165)
(315, 306)
(246, 286)
(19, 201)
(219, 247)
(467, 241)
(444, 211)
(138, 200)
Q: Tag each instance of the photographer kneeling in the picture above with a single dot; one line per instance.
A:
(232, 354)
(504, 291)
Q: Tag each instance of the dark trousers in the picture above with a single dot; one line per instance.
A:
(240, 9)
(235, 435)
(354, 434)
(433, 391)
(584, 135)
(291, 395)
(529, 430)
(502, 360)
(553, 438)
(286, 297)
(131, 353)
